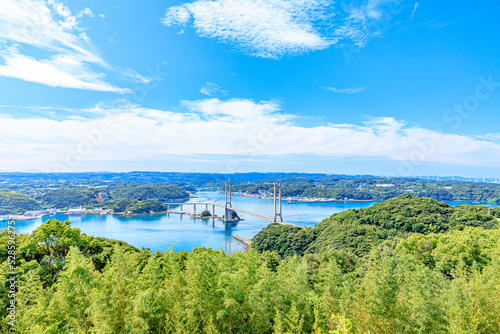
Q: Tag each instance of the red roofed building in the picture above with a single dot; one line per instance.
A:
(102, 197)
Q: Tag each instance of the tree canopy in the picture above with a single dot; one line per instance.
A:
(159, 191)
(360, 230)
(15, 203)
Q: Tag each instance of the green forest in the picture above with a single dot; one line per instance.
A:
(357, 231)
(378, 189)
(15, 203)
(145, 197)
(406, 265)
(159, 191)
(71, 197)
(135, 206)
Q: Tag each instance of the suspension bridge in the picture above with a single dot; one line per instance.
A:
(275, 217)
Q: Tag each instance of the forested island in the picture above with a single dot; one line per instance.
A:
(405, 265)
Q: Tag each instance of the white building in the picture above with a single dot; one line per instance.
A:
(385, 185)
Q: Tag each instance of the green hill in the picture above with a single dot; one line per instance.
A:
(15, 203)
(160, 192)
(358, 231)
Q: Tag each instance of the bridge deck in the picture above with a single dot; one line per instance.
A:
(182, 212)
(234, 209)
(253, 214)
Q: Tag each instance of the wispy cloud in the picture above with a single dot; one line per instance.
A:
(136, 77)
(274, 28)
(211, 89)
(50, 26)
(61, 70)
(414, 10)
(145, 133)
(354, 90)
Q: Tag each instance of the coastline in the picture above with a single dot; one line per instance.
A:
(246, 241)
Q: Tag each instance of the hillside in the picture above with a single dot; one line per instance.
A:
(358, 231)
(15, 203)
(70, 197)
(160, 192)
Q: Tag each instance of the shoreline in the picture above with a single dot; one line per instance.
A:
(246, 241)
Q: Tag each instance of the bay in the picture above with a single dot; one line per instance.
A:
(160, 232)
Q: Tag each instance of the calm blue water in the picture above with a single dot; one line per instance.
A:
(160, 232)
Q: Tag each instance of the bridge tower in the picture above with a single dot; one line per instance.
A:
(228, 213)
(278, 208)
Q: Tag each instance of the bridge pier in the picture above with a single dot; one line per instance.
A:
(278, 213)
(228, 213)
(228, 216)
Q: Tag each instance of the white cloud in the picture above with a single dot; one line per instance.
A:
(177, 15)
(265, 28)
(136, 77)
(59, 71)
(414, 10)
(50, 26)
(354, 90)
(228, 127)
(211, 89)
(367, 20)
(274, 28)
(85, 11)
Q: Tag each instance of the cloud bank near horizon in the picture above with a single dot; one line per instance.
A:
(235, 127)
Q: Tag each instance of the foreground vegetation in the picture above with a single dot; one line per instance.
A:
(438, 274)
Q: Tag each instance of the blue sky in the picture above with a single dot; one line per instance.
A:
(357, 87)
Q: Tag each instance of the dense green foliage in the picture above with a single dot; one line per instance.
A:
(160, 192)
(15, 203)
(71, 197)
(358, 231)
(378, 189)
(123, 205)
(496, 212)
(148, 206)
(68, 282)
(135, 206)
(205, 213)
